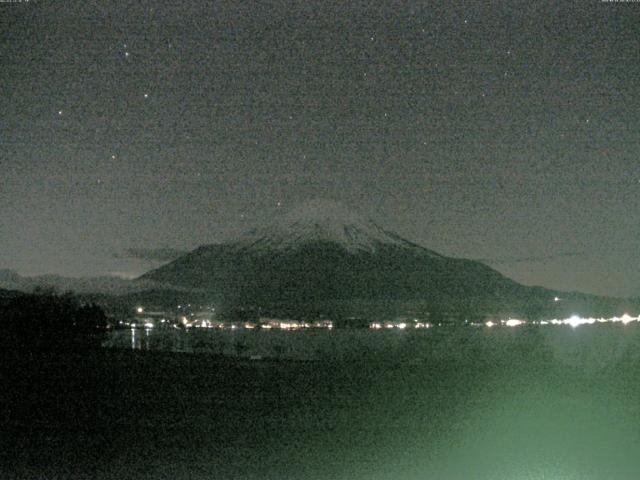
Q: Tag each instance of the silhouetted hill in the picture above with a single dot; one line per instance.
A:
(46, 320)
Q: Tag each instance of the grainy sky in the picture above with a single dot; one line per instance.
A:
(505, 131)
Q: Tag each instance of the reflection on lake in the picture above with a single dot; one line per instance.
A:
(587, 345)
(533, 402)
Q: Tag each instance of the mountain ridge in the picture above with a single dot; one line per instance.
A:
(321, 257)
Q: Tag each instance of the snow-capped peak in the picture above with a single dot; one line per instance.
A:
(322, 221)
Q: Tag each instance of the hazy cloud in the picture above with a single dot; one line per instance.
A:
(152, 254)
(531, 259)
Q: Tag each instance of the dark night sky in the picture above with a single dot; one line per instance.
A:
(505, 131)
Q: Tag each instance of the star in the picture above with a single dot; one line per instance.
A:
(126, 54)
(113, 157)
(59, 112)
(146, 95)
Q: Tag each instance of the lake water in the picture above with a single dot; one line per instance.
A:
(551, 402)
(587, 347)
(534, 403)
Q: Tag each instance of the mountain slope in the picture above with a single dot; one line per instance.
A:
(321, 258)
(323, 221)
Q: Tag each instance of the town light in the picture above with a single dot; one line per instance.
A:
(626, 318)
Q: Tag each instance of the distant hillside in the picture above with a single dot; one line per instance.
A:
(11, 280)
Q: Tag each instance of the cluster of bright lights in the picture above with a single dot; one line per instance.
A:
(573, 321)
(398, 325)
(289, 325)
(513, 322)
(296, 325)
(274, 324)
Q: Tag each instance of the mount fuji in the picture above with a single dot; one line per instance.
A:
(323, 221)
(322, 259)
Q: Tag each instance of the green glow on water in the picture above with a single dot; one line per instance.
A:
(480, 404)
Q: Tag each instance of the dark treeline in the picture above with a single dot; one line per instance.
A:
(46, 320)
